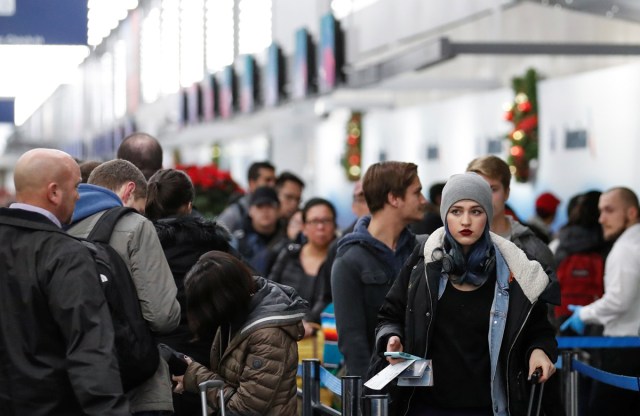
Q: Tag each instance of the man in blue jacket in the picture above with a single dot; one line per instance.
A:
(369, 258)
(116, 183)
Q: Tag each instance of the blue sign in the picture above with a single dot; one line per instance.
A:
(227, 92)
(43, 22)
(248, 85)
(303, 64)
(330, 56)
(7, 107)
(274, 76)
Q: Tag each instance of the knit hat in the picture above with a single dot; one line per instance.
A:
(467, 185)
(547, 203)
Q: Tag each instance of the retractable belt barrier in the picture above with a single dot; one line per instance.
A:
(624, 382)
(335, 385)
(572, 366)
(328, 380)
(598, 342)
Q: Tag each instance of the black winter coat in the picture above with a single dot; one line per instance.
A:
(56, 338)
(411, 306)
(184, 239)
(316, 290)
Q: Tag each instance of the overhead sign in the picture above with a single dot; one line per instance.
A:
(39, 22)
(7, 110)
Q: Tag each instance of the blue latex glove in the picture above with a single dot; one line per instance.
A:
(574, 322)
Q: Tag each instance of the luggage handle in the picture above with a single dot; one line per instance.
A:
(206, 385)
(535, 377)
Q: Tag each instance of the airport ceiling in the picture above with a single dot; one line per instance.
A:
(28, 68)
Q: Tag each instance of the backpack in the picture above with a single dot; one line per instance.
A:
(138, 356)
(580, 276)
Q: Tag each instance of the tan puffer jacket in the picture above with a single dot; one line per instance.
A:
(260, 362)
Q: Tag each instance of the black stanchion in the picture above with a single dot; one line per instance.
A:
(376, 405)
(311, 404)
(570, 383)
(351, 392)
(310, 385)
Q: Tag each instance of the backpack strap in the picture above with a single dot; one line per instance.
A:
(101, 232)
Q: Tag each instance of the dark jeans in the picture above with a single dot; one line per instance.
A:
(610, 400)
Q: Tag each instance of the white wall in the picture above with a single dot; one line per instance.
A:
(458, 127)
(605, 104)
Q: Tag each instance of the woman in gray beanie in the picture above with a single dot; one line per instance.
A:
(467, 302)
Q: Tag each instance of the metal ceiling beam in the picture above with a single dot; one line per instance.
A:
(440, 50)
(522, 48)
(423, 56)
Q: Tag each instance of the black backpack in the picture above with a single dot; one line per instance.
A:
(138, 356)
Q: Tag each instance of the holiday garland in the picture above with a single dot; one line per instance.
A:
(523, 113)
(352, 160)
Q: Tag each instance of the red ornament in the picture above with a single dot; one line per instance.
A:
(528, 123)
(525, 106)
(508, 115)
(517, 151)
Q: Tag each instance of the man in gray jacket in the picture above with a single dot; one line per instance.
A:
(117, 183)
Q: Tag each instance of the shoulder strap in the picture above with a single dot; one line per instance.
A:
(101, 232)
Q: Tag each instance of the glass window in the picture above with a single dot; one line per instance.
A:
(150, 56)
(170, 46)
(191, 41)
(219, 34)
(254, 21)
(120, 79)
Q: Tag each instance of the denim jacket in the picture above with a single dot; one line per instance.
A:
(519, 284)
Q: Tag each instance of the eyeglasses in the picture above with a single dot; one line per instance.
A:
(320, 221)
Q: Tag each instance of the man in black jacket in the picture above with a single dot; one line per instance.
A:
(56, 336)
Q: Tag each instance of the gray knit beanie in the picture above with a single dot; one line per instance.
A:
(467, 185)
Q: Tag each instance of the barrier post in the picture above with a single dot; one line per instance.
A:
(310, 385)
(570, 383)
(351, 392)
(376, 405)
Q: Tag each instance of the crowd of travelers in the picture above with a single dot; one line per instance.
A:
(458, 280)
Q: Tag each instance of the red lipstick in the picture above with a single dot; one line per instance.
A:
(466, 232)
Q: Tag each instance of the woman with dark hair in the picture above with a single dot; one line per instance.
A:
(472, 303)
(299, 265)
(580, 257)
(256, 325)
(184, 238)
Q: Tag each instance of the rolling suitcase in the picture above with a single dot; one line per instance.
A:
(535, 399)
(206, 385)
